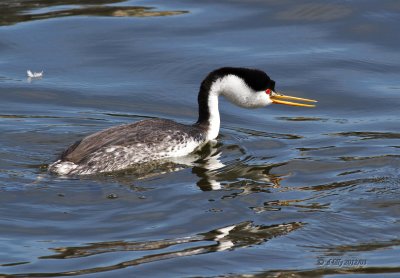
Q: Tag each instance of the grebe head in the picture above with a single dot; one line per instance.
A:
(248, 88)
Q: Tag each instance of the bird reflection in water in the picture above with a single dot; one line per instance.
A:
(240, 235)
(248, 178)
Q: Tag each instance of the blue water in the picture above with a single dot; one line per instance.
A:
(285, 190)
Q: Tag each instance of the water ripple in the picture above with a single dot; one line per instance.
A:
(40, 10)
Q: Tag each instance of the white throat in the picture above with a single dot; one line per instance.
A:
(214, 121)
(235, 90)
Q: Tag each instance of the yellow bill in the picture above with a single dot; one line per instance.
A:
(282, 99)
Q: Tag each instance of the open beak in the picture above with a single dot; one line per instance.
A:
(282, 99)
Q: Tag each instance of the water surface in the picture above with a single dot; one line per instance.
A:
(284, 191)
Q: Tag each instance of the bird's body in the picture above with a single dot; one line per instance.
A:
(125, 146)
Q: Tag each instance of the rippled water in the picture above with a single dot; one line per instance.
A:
(284, 191)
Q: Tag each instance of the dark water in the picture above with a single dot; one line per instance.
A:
(285, 192)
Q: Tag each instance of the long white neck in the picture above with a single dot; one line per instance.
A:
(214, 120)
(235, 90)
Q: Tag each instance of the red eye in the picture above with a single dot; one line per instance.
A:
(268, 91)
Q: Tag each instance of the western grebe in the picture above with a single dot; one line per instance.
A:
(125, 146)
